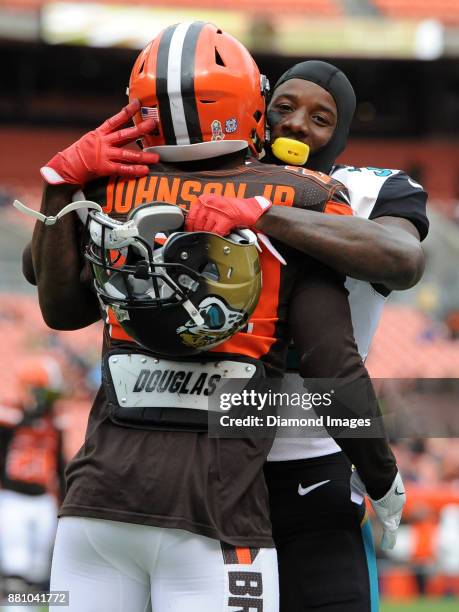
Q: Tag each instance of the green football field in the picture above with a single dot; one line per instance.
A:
(422, 605)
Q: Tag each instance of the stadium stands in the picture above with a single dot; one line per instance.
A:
(446, 11)
(318, 8)
(404, 333)
(23, 333)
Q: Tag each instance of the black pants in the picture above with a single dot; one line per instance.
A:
(326, 559)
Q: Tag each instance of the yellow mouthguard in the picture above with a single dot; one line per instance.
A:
(290, 151)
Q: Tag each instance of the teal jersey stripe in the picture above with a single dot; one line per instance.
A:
(368, 543)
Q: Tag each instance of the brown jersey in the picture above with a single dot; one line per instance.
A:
(209, 486)
(285, 186)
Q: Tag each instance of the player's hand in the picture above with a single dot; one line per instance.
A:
(101, 153)
(388, 509)
(221, 215)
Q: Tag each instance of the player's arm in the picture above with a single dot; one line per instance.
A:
(54, 261)
(321, 327)
(386, 251)
(383, 249)
(57, 262)
(27, 265)
(320, 324)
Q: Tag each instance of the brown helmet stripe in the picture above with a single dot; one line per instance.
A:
(187, 81)
(175, 90)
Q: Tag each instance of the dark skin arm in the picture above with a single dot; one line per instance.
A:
(27, 265)
(54, 263)
(386, 251)
(329, 359)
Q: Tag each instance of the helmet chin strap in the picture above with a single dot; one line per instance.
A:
(119, 234)
(263, 238)
(123, 233)
(53, 219)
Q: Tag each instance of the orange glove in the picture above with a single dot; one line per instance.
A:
(101, 153)
(221, 215)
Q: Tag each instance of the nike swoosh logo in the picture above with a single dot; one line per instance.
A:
(306, 490)
(397, 492)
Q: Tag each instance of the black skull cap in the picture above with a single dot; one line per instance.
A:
(333, 80)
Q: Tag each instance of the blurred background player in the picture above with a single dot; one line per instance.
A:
(31, 477)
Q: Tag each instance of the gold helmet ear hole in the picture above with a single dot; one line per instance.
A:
(210, 271)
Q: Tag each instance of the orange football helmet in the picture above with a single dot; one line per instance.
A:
(204, 88)
(41, 372)
(41, 381)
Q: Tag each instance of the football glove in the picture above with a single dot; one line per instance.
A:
(388, 509)
(101, 153)
(221, 215)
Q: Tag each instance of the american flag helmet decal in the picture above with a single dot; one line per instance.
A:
(149, 112)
